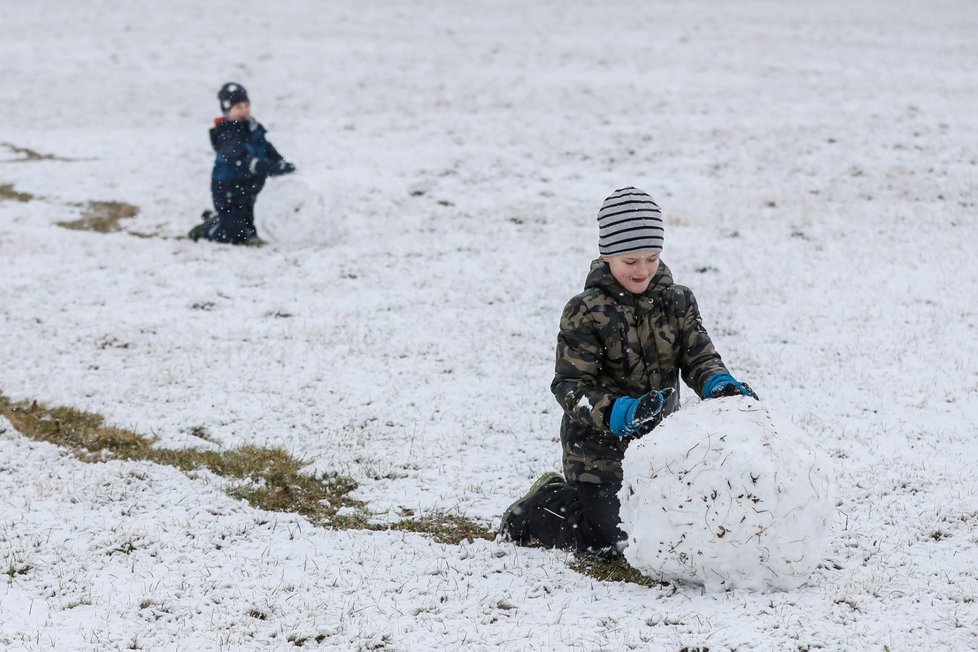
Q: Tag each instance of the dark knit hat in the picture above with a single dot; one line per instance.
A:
(230, 94)
(629, 220)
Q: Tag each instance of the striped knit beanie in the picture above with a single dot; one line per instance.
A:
(629, 220)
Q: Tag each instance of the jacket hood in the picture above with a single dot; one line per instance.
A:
(600, 277)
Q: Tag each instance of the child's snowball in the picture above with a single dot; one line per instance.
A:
(727, 494)
(296, 214)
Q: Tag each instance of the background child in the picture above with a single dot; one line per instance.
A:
(623, 343)
(244, 159)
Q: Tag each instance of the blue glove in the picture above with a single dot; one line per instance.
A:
(630, 416)
(725, 385)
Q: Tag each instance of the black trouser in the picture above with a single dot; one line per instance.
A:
(572, 516)
(235, 205)
(235, 226)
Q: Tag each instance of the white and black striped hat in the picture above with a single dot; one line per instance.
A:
(629, 220)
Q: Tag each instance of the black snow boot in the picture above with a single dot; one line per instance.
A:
(511, 525)
(208, 218)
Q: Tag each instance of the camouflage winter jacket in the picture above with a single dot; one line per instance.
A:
(614, 343)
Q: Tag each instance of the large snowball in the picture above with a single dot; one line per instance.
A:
(291, 211)
(728, 494)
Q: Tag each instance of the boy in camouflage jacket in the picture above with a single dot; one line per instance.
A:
(623, 343)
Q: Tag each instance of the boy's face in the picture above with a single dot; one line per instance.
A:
(240, 111)
(635, 269)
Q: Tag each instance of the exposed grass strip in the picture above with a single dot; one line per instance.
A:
(268, 478)
(612, 570)
(446, 528)
(7, 193)
(28, 154)
(102, 216)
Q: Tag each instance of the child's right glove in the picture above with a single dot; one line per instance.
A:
(725, 385)
(631, 416)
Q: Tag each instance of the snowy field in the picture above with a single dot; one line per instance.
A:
(817, 167)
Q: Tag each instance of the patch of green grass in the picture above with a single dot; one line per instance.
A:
(7, 192)
(300, 641)
(16, 568)
(268, 478)
(102, 216)
(84, 433)
(447, 528)
(612, 570)
(200, 432)
(127, 548)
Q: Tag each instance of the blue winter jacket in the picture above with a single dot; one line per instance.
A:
(242, 151)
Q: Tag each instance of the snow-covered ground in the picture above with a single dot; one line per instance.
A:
(816, 164)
